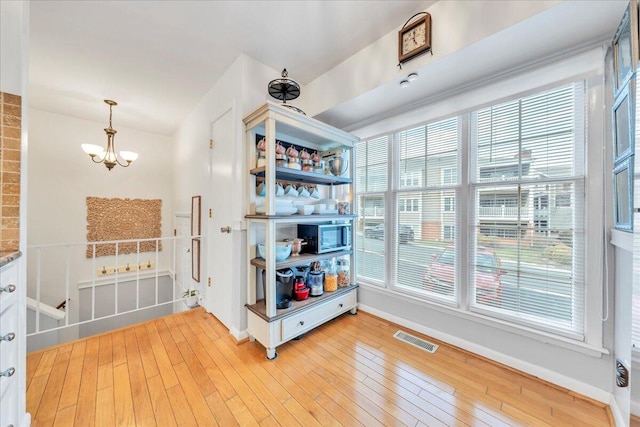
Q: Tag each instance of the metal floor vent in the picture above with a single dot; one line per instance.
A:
(416, 342)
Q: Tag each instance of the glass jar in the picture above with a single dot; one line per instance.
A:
(330, 279)
(344, 272)
(281, 160)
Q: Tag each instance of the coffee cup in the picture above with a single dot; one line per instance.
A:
(261, 189)
(303, 191)
(279, 190)
(315, 193)
(291, 191)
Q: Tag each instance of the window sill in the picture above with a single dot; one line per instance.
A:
(558, 341)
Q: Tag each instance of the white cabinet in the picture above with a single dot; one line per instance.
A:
(278, 125)
(12, 353)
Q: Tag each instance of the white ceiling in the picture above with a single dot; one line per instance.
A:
(157, 59)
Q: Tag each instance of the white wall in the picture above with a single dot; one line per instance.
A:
(376, 65)
(12, 46)
(61, 176)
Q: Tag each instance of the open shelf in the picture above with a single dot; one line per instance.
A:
(288, 174)
(259, 307)
(292, 261)
(302, 218)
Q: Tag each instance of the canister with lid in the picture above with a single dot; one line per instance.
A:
(330, 279)
(344, 272)
(315, 281)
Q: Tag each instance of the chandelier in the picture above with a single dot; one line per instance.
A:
(109, 156)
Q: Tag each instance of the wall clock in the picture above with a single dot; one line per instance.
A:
(415, 38)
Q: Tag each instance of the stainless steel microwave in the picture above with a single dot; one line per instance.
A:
(325, 237)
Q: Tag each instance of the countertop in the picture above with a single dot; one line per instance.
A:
(8, 256)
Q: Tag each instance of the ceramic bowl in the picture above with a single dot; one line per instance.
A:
(305, 209)
(283, 250)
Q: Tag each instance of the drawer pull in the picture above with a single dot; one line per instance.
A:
(8, 337)
(8, 373)
(340, 305)
(302, 323)
(8, 289)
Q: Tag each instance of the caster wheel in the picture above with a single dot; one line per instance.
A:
(353, 311)
(271, 354)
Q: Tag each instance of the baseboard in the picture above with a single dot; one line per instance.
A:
(562, 381)
(635, 408)
(26, 420)
(239, 336)
(618, 418)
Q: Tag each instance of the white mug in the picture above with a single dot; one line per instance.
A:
(315, 193)
(261, 189)
(279, 189)
(303, 191)
(291, 191)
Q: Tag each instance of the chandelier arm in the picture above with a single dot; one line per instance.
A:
(93, 158)
(121, 164)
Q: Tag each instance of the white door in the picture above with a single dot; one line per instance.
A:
(218, 299)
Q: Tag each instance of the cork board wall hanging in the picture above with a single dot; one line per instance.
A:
(123, 219)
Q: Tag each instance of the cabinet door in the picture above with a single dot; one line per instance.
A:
(224, 193)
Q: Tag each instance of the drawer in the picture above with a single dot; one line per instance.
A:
(8, 349)
(308, 319)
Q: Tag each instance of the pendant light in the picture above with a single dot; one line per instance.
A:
(109, 156)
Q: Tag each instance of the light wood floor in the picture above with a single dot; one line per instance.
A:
(185, 370)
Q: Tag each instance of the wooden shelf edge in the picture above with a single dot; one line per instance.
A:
(259, 308)
(300, 259)
(302, 218)
(289, 174)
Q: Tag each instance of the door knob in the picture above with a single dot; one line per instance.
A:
(8, 373)
(8, 337)
(8, 289)
(226, 229)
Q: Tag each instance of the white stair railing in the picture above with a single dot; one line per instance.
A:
(59, 271)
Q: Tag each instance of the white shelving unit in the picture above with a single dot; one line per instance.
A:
(267, 324)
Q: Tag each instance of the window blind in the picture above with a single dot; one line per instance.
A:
(426, 255)
(371, 183)
(527, 249)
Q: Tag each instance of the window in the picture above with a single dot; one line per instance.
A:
(408, 205)
(449, 175)
(449, 205)
(523, 236)
(371, 179)
(411, 179)
(529, 149)
(448, 232)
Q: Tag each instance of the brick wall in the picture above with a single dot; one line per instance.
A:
(10, 130)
